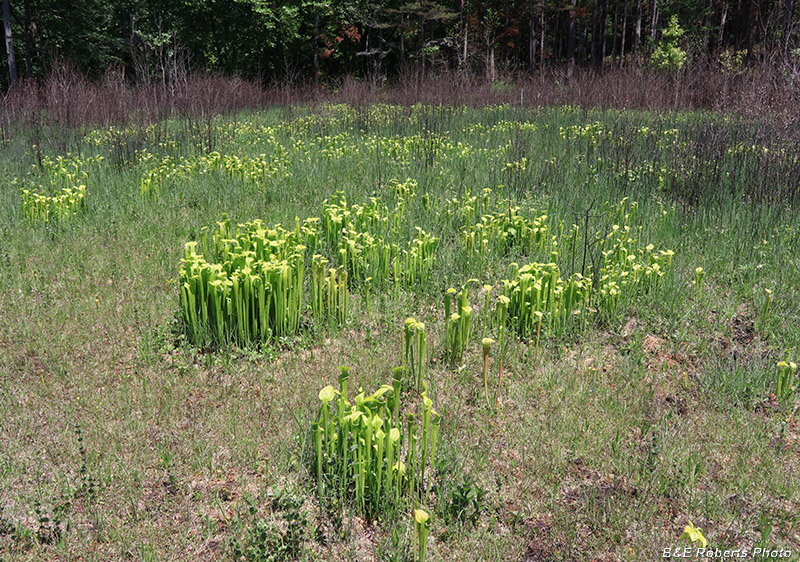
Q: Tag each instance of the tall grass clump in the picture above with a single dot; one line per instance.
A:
(254, 170)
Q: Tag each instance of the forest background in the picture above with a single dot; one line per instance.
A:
(686, 53)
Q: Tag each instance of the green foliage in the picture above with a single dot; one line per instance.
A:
(732, 61)
(466, 501)
(539, 288)
(160, 42)
(372, 242)
(668, 56)
(89, 485)
(46, 208)
(538, 295)
(597, 398)
(53, 518)
(699, 275)
(692, 534)
(743, 384)
(267, 541)
(254, 170)
(504, 230)
(767, 302)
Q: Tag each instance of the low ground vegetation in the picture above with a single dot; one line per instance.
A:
(397, 332)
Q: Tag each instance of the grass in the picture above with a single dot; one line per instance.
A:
(605, 441)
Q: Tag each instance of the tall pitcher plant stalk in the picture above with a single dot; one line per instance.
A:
(762, 323)
(421, 518)
(329, 296)
(501, 318)
(415, 350)
(458, 324)
(786, 383)
(487, 345)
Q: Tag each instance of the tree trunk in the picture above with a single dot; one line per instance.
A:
(31, 50)
(488, 56)
(492, 74)
(541, 44)
(422, 45)
(583, 43)
(595, 52)
(506, 51)
(12, 63)
(788, 22)
(402, 44)
(707, 11)
(614, 38)
(462, 26)
(722, 20)
(571, 37)
(381, 43)
(316, 48)
(598, 32)
(638, 33)
(464, 54)
(624, 32)
(654, 21)
(532, 41)
(754, 10)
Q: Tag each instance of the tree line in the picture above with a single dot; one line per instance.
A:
(314, 40)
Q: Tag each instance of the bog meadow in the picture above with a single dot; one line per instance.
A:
(400, 281)
(384, 332)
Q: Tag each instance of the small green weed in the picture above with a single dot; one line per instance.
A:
(266, 540)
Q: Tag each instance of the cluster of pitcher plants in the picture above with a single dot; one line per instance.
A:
(244, 285)
(58, 191)
(46, 208)
(375, 449)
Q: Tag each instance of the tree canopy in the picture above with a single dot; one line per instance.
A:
(319, 40)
